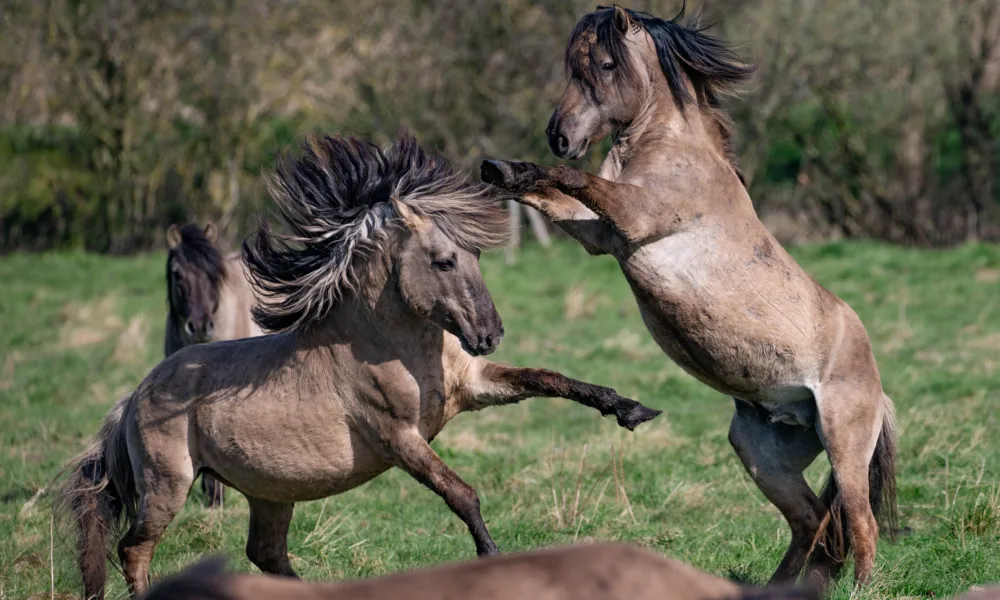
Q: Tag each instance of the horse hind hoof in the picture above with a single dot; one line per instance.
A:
(637, 415)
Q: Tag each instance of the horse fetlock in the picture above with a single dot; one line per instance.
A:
(487, 549)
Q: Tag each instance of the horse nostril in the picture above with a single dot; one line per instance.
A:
(563, 142)
(189, 327)
(210, 328)
(489, 341)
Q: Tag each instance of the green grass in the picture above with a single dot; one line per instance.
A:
(77, 331)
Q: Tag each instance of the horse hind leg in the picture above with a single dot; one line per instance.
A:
(267, 542)
(775, 455)
(214, 491)
(163, 489)
(850, 425)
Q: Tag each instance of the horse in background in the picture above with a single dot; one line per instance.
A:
(208, 298)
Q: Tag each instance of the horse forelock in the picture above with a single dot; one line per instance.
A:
(681, 48)
(334, 202)
(685, 53)
(196, 254)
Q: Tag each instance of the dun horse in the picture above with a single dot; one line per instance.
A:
(592, 572)
(715, 289)
(208, 299)
(383, 317)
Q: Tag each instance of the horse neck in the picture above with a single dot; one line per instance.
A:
(662, 135)
(381, 321)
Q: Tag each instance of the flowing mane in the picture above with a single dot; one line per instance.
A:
(334, 200)
(196, 252)
(712, 67)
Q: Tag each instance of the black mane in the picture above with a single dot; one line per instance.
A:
(197, 253)
(682, 49)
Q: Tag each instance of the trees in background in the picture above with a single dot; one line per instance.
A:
(877, 119)
(118, 117)
(161, 109)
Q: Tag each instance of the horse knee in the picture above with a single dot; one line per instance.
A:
(464, 500)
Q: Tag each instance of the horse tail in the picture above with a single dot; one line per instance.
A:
(882, 473)
(204, 580)
(833, 534)
(100, 496)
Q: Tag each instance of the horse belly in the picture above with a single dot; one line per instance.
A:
(702, 317)
(286, 454)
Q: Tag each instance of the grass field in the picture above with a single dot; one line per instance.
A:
(78, 331)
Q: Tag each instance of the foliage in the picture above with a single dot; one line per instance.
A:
(866, 119)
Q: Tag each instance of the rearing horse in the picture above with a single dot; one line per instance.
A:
(718, 293)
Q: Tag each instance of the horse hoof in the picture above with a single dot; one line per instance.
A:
(496, 172)
(637, 415)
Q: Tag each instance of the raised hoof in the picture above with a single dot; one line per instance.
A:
(637, 415)
(497, 172)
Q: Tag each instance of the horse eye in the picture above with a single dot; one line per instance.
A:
(446, 264)
(608, 66)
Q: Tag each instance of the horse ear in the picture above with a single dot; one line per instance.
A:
(211, 233)
(407, 214)
(623, 23)
(173, 236)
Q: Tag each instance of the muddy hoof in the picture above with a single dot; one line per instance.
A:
(637, 415)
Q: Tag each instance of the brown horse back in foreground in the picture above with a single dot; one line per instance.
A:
(383, 318)
(585, 572)
(209, 298)
(717, 292)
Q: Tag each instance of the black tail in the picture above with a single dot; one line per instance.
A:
(835, 542)
(205, 580)
(100, 491)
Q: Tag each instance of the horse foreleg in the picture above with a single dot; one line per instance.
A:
(413, 454)
(632, 212)
(498, 384)
(267, 542)
(581, 223)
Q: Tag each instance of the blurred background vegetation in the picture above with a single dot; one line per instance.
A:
(119, 117)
